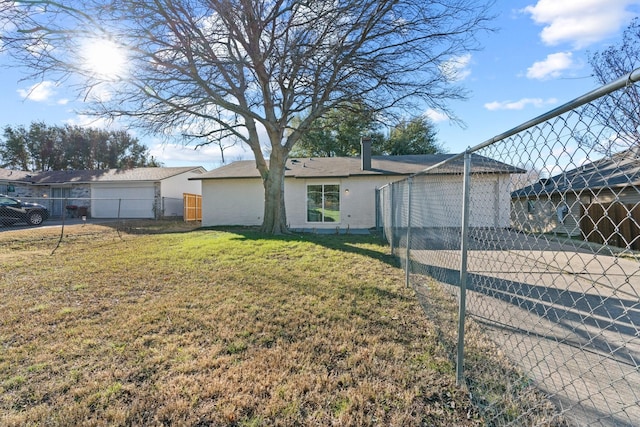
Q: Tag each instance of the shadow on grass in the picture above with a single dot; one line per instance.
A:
(342, 242)
(350, 243)
(134, 226)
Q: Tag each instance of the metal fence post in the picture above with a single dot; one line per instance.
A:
(408, 250)
(393, 221)
(463, 265)
(377, 202)
(520, 247)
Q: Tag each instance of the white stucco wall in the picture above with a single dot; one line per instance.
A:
(241, 201)
(437, 200)
(357, 201)
(232, 202)
(172, 190)
(490, 204)
(179, 184)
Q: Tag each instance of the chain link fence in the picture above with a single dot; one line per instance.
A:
(53, 220)
(534, 234)
(23, 210)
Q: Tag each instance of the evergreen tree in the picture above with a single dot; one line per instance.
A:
(414, 136)
(42, 148)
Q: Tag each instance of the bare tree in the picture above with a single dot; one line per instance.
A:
(620, 111)
(212, 136)
(246, 68)
(521, 180)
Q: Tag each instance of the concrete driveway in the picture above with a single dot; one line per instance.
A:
(568, 315)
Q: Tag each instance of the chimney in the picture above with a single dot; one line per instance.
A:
(365, 154)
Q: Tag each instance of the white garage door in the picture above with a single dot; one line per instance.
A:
(132, 202)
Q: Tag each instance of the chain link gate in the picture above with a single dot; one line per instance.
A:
(538, 249)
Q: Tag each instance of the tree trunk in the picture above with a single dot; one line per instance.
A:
(275, 217)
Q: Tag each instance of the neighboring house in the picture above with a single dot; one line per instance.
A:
(337, 192)
(574, 202)
(112, 193)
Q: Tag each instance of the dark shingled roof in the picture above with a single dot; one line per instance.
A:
(618, 171)
(340, 167)
(11, 175)
(91, 176)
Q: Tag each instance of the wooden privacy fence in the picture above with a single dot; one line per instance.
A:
(192, 207)
(614, 224)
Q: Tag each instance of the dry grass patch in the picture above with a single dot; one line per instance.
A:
(502, 393)
(47, 237)
(218, 328)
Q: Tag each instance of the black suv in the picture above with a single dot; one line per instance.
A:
(13, 210)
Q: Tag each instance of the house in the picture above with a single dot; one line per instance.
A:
(331, 192)
(584, 201)
(112, 193)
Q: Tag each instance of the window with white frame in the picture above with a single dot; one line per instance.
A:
(323, 203)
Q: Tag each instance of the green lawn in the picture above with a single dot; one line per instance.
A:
(217, 328)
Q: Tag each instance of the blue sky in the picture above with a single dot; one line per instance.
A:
(535, 61)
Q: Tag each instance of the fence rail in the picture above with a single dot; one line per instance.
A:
(77, 224)
(534, 233)
(14, 209)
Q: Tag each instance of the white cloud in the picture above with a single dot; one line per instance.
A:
(39, 92)
(519, 105)
(100, 93)
(436, 116)
(552, 66)
(579, 22)
(90, 122)
(457, 68)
